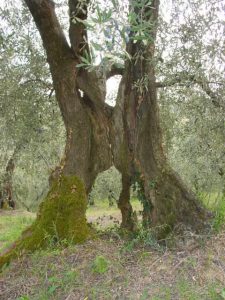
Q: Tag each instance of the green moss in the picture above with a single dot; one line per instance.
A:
(61, 217)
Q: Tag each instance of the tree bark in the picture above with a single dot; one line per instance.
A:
(124, 205)
(167, 200)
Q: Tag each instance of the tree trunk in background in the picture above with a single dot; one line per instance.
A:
(6, 192)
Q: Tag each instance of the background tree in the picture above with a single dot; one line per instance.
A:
(29, 115)
(193, 93)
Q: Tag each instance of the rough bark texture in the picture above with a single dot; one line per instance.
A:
(127, 136)
(138, 149)
(124, 205)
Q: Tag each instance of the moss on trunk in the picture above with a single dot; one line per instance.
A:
(61, 217)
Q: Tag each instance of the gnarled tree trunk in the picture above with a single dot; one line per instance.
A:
(99, 136)
(138, 149)
(128, 135)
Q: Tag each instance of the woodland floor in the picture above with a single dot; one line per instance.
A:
(109, 267)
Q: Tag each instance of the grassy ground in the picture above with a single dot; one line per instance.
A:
(12, 223)
(110, 267)
(210, 200)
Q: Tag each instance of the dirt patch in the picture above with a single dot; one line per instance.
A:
(105, 221)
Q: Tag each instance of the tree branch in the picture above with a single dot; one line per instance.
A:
(187, 80)
(206, 88)
(77, 31)
(45, 84)
(54, 41)
(172, 82)
(93, 84)
(116, 69)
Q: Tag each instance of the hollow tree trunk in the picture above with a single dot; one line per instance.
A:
(98, 136)
(127, 136)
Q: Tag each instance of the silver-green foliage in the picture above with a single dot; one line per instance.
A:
(29, 115)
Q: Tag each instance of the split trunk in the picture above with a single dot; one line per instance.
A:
(127, 136)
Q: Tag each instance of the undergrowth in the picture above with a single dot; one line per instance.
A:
(142, 237)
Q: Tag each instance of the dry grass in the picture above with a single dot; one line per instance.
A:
(189, 268)
(189, 273)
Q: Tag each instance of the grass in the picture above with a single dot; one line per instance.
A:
(111, 268)
(102, 215)
(11, 226)
(102, 207)
(12, 223)
(100, 270)
(216, 203)
(210, 200)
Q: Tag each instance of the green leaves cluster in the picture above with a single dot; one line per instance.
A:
(111, 26)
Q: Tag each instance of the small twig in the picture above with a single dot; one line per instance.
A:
(68, 297)
(179, 263)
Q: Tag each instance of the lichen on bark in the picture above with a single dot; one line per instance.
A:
(61, 217)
